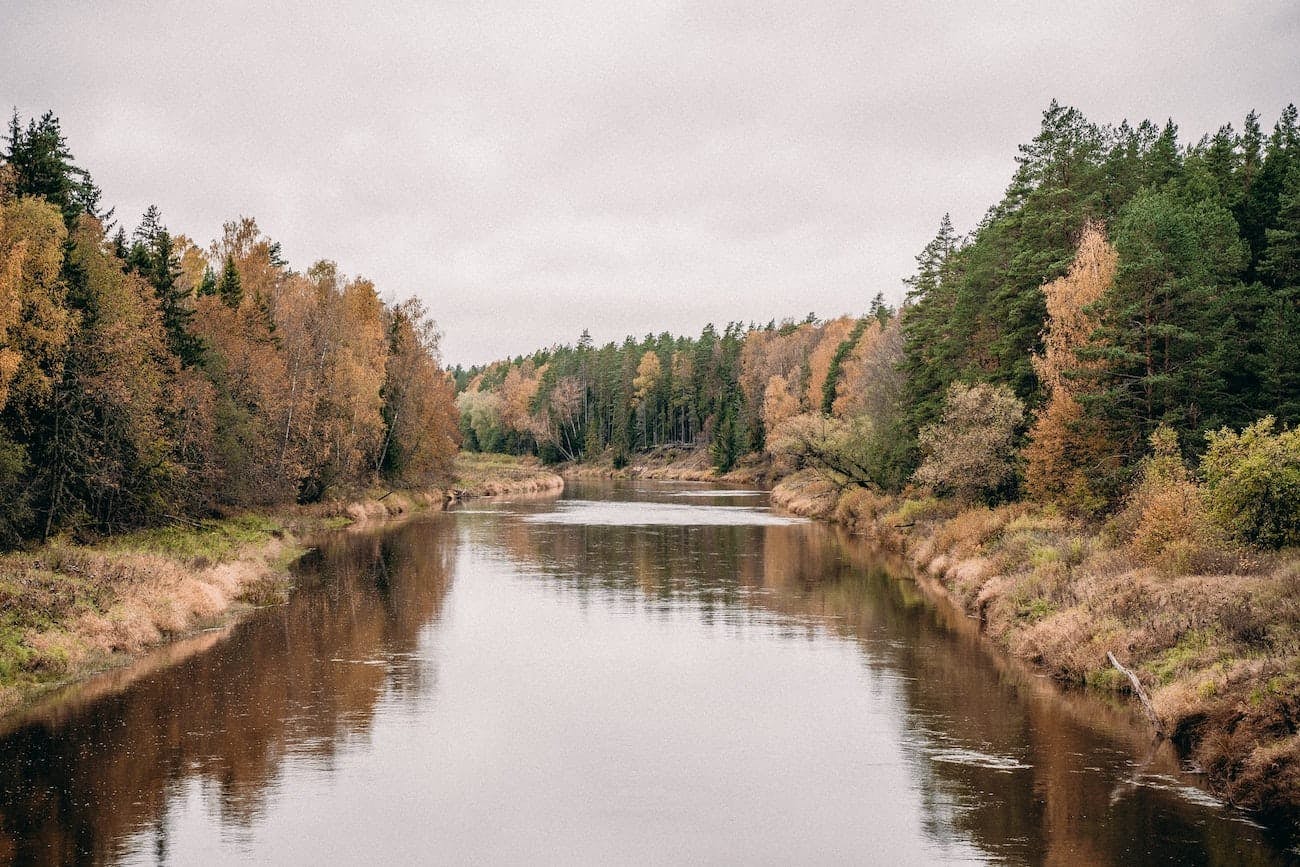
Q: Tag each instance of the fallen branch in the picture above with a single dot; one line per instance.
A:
(1141, 694)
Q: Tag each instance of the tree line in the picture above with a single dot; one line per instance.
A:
(1126, 286)
(144, 378)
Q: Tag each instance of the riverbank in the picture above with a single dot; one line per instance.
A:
(1219, 653)
(672, 463)
(492, 475)
(71, 610)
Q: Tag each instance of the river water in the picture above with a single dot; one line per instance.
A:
(633, 672)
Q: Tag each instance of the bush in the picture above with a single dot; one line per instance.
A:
(1252, 483)
(970, 453)
(1169, 524)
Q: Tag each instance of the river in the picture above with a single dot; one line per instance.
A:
(633, 672)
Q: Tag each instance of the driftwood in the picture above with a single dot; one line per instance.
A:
(385, 496)
(1141, 694)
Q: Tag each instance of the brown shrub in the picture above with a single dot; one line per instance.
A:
(1170, 528)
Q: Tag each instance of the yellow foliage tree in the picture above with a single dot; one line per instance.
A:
(35, 326)
(1069, 454)
(778, 403)
(517, 393)
(870, 383)
(648, 373)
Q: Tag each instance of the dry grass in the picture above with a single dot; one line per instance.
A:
(487, 475)
(673, 463)
(68, 609)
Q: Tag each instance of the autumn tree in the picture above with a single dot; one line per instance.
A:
(105, 460)
(970, 453)
(353, 353)
(35, 329)
(841, 451)
(1069, 458)
(421, 421)
(645, 385)
(821, 358)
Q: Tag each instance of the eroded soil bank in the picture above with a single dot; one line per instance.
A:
(70, 610)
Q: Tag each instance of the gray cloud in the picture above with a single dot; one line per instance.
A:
(533, 169)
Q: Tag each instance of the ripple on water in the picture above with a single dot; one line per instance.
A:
(640, 514)
(977, 759)
(718, 493)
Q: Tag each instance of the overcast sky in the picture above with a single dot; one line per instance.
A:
(531, 169)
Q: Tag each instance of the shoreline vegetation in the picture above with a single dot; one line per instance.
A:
(1082, 419)
(72, 611)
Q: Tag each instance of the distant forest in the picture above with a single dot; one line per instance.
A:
(146, 379)
(1129, 295)
(1126, 285)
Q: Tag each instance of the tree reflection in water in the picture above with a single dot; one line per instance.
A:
(987, 759)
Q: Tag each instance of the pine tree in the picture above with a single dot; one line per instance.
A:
(208, 285)
(229, 287)
(43, 166)
(1161, 321)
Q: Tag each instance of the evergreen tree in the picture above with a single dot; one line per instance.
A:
(43, 167)
(1161, 322)
(152, 255)
(229, 287)
(208, 285)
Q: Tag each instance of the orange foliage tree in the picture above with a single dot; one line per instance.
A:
(1069, 456)
(831, 335)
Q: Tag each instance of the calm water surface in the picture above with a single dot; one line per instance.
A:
(634, 672)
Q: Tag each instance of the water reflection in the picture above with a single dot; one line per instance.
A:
(638, 672)
(82, 779)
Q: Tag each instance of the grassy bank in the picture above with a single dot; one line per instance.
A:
(68, 610)
(672, 463)
(490, 475)
(1217, 650)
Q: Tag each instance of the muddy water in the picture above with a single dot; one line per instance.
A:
(634, 673)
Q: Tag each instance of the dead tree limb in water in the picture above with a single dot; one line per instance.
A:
(1141, 694)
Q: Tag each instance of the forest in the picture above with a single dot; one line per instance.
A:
(1121, 322)
(145, 379)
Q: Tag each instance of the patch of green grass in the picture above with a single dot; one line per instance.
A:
(22, 663)
(1106, 679)
(14, 654)
(1043, 555)
(1189, 650)
(337, 522)
(919, 510)
(1036, 609)
(211, 542)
